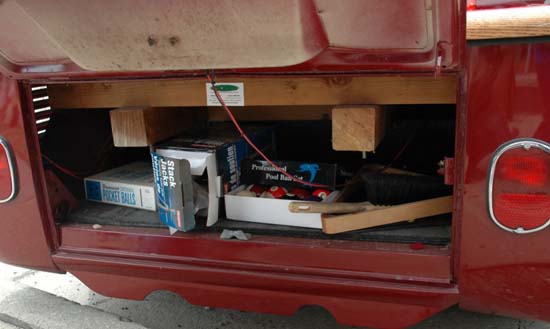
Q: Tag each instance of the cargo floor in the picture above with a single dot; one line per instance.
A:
(435, 230)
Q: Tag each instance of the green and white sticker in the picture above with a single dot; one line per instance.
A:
(232, 94)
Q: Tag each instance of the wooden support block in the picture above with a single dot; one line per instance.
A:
(357, 128)
(143, 126)
(272, 91)
(389, 215)
(272, 113)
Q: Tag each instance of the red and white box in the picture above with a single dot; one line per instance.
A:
(269, 211)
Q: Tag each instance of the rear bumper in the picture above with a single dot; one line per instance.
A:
(235, 277)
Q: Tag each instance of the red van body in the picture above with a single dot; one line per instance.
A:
(503, 94)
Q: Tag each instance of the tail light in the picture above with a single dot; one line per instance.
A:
(519, 186)
(8, 183)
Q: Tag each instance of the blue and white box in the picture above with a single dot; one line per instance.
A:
(132, 185)
(213, 157)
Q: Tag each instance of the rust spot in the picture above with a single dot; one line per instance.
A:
(152, 41)
(338, 81)
(174, 40)
(292, 85)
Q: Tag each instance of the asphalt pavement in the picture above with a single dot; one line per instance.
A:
(39, 300)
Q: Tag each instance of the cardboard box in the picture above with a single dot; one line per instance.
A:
(174, 190)
(262, 173)
(269, 211)
(218, 153)
(131, 185)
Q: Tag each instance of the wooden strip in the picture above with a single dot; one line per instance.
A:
(389, 215)
(313, 207)
(135, 127)
(272, 113)
(508, 23)
(260, 91)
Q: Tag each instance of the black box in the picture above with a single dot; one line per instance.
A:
(261, 172)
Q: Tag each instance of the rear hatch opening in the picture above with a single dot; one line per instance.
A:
(77, 142)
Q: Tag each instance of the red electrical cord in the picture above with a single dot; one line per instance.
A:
(62, 169)
(399, 153)
(243, 134)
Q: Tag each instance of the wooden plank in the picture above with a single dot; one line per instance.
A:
(508, 23)
(357, 128)
(389, 215)
(143, 126)
(273, 91)
(272, 113)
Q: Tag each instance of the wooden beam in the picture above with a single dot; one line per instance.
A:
(389, 215)
(508, 23)
(273, 91)
(357, 128)
(272, 113)
(144, 126)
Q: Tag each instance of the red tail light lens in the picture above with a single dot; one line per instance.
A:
(526, 170)
(519, 186)
(7, 172)
(521, 210)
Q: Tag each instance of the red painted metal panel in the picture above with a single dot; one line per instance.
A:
(380, 261)
(509, 97)
(380, 285)
(28, 235)
(374, 284)
(438, 22)
(362, 307)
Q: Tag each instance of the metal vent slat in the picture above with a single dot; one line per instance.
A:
(41, 104)
(42, 109)
(39, 93)
(42, 126)
(42, 115)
